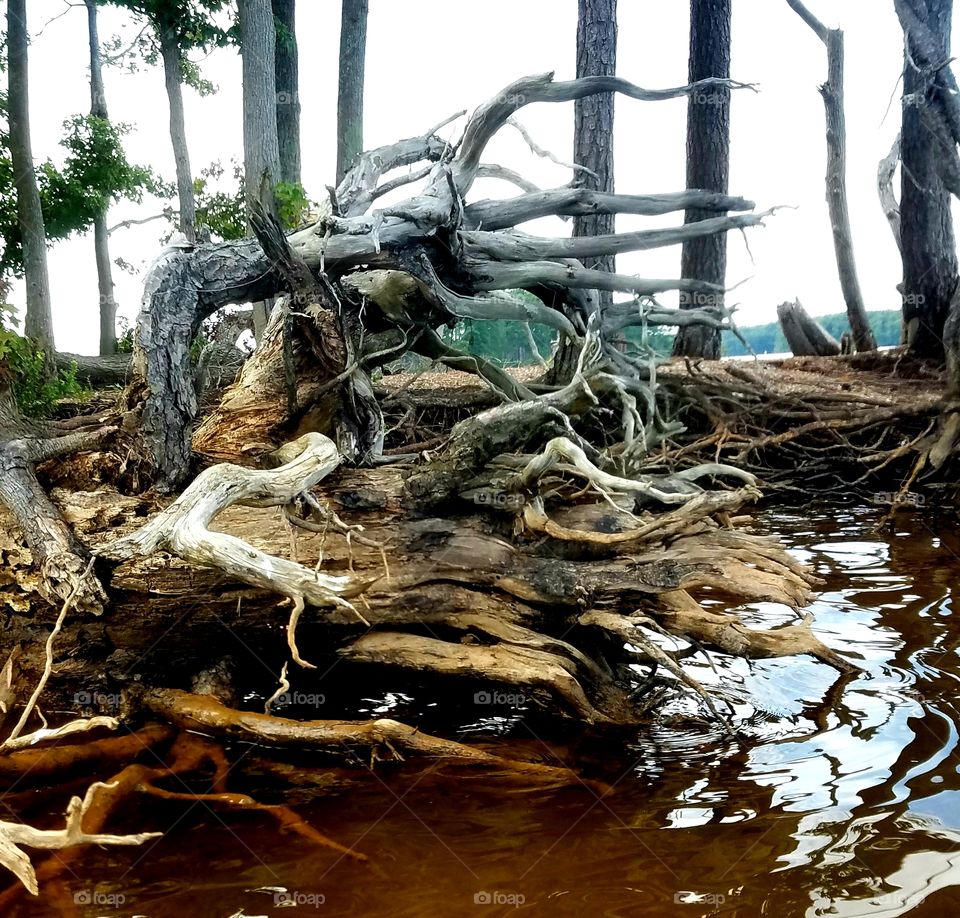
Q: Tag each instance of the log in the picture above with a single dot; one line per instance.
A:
(111, 370)
(805, 336)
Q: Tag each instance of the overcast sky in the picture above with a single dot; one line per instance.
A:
(429, 58)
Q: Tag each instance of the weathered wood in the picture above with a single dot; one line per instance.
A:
(187, 284)
(832, 92)
(805, 336)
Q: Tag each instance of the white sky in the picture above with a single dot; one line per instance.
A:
(429, 58)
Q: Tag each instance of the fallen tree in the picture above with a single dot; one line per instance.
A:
(525, 549)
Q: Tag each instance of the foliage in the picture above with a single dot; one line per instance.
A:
(292, 203)
(35, 390)
(94, 173)
(221, 206)
(223, 213)
(124, 335)
(193, 24)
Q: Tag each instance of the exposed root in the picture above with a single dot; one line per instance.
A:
(196, 712)
(183, 528)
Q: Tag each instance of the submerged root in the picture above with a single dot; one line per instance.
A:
(202, 712)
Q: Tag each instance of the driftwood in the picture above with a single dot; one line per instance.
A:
(805, 336)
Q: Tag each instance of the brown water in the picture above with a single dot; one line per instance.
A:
(830, 799)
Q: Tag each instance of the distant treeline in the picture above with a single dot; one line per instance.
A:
(508, 344)
(768, 339)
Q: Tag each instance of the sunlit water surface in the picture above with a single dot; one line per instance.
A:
(831, 797)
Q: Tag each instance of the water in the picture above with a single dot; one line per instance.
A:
(833, 798)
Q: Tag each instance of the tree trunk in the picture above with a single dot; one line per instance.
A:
(708, 166)
(170, 50)
(353, 49)
(286, 71)
(832, 92)
(926, 221)
(593, 120)
(39, 318)
(593, 149)
(101, 245)
(261, 153)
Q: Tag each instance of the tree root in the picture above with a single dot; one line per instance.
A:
(183, 528)
(204, 713)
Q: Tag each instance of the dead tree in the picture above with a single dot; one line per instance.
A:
(931, 127)
(428, 261)
(931, 173)
(517, 552)
(832, 92)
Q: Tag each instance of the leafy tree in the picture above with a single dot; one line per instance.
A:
(95, 173)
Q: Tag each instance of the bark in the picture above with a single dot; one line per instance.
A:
(101, 244)
(38, 324)
(261, 152)
(888, 199)
(58, 558)
(353, 49)
(593, 149)
(170, 52)
(926, 222)
(287, 77)
(593, 119)
(832, 92)
(708, 165)
(111, 370)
